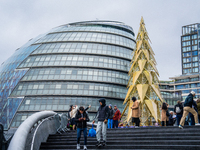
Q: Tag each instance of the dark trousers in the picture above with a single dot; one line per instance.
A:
(199, 118)
(192, 123)
(163, 123)
(79, 135)
(178, 118)
(136, 121)
(115, 123)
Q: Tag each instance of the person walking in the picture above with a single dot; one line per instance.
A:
(110, 119)
(135, 112)
(198, 108)
(81, 119)
(72, 116)
(163, 114)
(102, 115)
(116, 117)
(178, 110)
(189, 101)
(194, 106)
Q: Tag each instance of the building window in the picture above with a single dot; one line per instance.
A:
(186, 43)
(194, 47)
(194, 53)
(194, 42)
(187, 65)
(186, 49)
(194, 36)
(185, 60)
(195, 70)
(195, 64)
(186, 70)
(195, 58)
(187, 54)
(185, 38)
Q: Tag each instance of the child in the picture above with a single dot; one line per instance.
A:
(81, 118)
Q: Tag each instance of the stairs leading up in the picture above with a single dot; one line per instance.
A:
(133, 138)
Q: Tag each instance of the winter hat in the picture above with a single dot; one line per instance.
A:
(115, 106)
(192, 92)
(110, 105)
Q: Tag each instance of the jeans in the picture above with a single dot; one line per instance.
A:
(79, 135)
(115, 123)
(178, 119)
(101, 127)
(110, 123)
(186, 112)
(163, 123)
(199, 118)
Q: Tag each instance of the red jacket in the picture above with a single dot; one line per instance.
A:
(117, 115)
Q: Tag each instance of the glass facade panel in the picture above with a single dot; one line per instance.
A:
(76, 60)
(78, 48)
(71, 88)
(76, 74)
(88, 37)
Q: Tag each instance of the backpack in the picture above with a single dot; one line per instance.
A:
(178, 110)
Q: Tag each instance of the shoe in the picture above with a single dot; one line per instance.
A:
(78, 146)
(85, 147)
(98, 144)
(104, 143)
(180, 126)
(197, 124)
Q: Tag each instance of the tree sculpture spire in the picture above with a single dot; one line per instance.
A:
(143, 82)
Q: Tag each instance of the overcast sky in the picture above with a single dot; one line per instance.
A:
(21, 20)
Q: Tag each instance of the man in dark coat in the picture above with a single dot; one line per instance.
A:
(81, 118)
(102, 115)
(188, 108)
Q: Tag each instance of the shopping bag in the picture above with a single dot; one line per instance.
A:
(92, 132)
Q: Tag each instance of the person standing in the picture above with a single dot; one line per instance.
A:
(72, 116)
(163, 113)
(178, 110)
(110, 119)
(135, 112)
(102, 115)
(81, 119)
(116, 117)
(188, 108)
(192, 122)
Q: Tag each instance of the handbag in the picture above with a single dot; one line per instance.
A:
(92, 132)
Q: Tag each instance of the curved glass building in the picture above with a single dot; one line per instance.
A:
(76, 63)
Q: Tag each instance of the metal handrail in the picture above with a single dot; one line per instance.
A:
(18, 141)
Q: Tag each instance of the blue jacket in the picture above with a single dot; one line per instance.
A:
(189, 101)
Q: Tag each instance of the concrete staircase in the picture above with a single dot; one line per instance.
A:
(133, 138)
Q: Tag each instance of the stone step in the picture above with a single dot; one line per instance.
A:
(130, 142)
(119, 146)
(133, 135)
(130, 138)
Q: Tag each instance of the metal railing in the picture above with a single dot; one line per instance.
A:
(26, 137)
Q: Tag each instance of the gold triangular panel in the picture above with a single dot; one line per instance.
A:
(152, 108)
(128, 93)
(142, 89)
(141, 64)
(135, 76)
(148, 76)
(157, 91)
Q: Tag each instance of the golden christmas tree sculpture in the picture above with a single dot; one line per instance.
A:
(143, 83)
